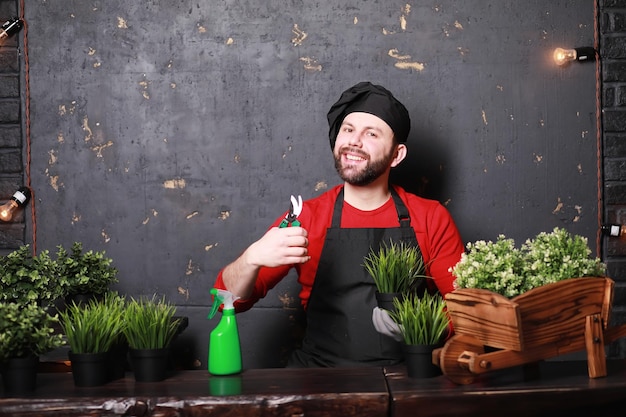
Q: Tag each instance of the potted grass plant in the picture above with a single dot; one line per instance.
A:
(423, 324)
(26, 332)
(150, 327)
(397, 269)
(93, 330)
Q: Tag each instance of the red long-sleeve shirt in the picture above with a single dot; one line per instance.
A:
(436, 232)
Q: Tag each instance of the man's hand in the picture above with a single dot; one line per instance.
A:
(286, 246)
(384, 324)
(278, 247)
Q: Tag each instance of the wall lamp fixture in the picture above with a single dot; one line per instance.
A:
(564, 56)
(17, 201)
(10, 28)
(614, 230)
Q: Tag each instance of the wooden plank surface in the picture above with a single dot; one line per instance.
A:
(550, 388)
(491, 318)
(555, 314)
(257, 392)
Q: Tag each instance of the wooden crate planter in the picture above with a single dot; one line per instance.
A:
(494, 332)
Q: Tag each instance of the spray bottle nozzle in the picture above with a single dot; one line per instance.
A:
(222, 297)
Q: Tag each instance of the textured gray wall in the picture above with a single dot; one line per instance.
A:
(171, 133)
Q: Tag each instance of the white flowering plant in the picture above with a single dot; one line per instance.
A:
(493, 266)
(503, 268)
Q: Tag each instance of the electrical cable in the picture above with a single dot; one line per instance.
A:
(599, 151)
(27, 125)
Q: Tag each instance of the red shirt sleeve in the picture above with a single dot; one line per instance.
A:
(315, 218)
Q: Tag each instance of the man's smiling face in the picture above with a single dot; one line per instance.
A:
(365, 148)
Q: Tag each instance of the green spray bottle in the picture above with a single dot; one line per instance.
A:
(224, 347)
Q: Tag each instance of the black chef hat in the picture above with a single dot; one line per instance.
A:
(374, 99)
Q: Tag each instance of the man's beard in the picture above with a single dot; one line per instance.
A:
(371, 172)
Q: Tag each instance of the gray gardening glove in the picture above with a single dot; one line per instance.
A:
(384, 324)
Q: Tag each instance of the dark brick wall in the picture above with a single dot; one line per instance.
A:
(613, 53)
(12, 235)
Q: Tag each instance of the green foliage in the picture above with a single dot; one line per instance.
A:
(88, 272)
(423, 320)
(25, 278)
(96, 326)
(395, 267)
(150, 323)
(493, 266)
(26, 330)
(552, 257)
(549, 257)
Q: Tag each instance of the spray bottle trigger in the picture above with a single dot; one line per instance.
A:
(217, 302)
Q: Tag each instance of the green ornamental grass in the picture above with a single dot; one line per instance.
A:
(395, 267)
(423, 320)
(96, 326)
(150, 323)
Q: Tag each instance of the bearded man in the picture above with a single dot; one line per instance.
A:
(368, 131)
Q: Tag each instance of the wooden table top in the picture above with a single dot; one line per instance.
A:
(288, 392)
(551, 388)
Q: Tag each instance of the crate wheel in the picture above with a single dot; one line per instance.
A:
(456, 355)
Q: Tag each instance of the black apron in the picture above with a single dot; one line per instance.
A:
(339, 312)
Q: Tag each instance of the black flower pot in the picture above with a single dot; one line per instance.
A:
(89, 369)
(19, 375)
(419, 360)
(82, 299)
(149, 365)
(384, 300)
(117, 358)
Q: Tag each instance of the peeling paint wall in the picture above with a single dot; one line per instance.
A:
(170, 134)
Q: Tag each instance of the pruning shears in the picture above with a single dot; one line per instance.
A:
(291, 219)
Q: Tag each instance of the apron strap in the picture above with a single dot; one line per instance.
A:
(403, 213)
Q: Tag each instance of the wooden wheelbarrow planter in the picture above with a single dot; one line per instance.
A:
(548, 321)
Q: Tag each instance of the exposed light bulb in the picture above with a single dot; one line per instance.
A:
(563, 56)
(17, 201)
(10, 28)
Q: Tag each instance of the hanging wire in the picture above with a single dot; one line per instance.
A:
(599, 152)
(27, 125)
